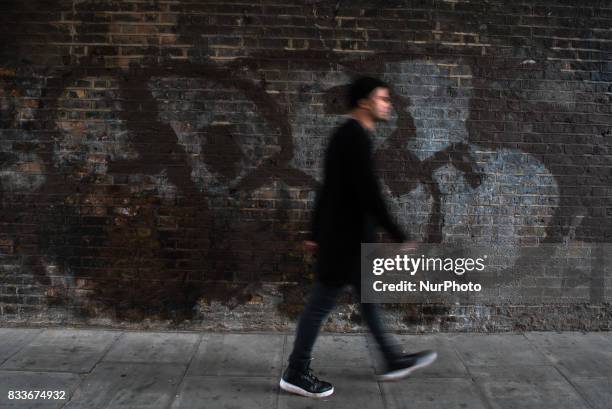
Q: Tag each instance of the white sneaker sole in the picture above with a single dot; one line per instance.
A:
(402, 373)
(286, 386)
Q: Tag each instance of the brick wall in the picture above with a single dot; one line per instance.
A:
(158, 159)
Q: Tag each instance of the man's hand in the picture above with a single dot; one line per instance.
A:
(310, 246)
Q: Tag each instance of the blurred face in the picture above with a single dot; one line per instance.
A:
(379, 104)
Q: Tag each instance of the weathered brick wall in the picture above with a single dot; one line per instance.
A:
(158, 159)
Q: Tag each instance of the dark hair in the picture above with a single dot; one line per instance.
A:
(360, 88)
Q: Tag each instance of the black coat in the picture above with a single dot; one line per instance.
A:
(348, 206)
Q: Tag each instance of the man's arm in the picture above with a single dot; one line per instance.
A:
(368, 188)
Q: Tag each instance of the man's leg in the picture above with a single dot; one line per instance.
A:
(398, 365)
(322, 301)
(387, 344)
(298, 378)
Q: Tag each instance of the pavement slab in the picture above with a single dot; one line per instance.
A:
(153, 347)
(225, 392)
(13, 339)
(526, 386)
(62, 351)
(238, 355)
(337, 350)
(576, 354)
(496, 349)
(525, 395)
(128, 385)
(596, 391)
(429, 393)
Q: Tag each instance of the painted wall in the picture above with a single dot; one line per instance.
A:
(158, 159)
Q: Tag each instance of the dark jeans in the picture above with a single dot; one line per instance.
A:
(322, 301)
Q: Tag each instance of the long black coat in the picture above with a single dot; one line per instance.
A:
(348, 206)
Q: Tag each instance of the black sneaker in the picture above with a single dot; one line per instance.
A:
(406, 364)
(305, 383)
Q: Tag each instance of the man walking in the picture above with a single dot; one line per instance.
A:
(348, 208)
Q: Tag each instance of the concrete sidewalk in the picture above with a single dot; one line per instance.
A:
(180, 370)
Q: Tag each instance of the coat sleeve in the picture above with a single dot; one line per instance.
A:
(368, 189)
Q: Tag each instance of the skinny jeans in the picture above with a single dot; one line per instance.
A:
(321, 302)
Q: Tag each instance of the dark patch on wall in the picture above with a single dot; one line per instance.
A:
(335, 100)
(221, 152)
(294, 299)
